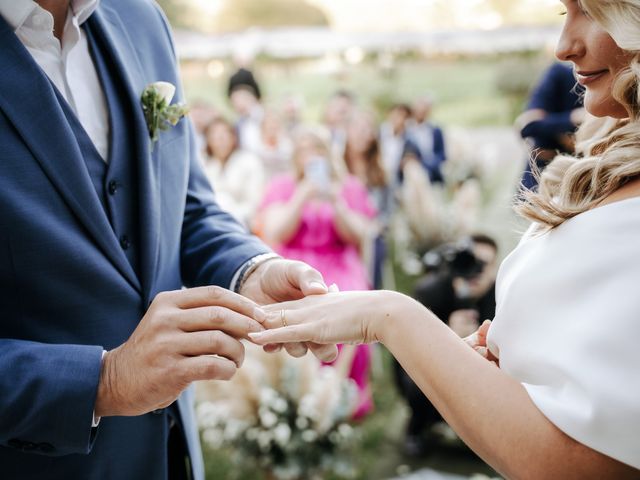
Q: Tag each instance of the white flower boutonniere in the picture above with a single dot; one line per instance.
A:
(158, 111)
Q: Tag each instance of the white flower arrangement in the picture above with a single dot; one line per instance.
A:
(288, 416)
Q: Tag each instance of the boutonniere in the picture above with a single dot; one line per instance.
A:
(159, 114)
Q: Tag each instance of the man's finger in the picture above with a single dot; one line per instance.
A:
(212, 342)
(307, 279)
(296, 349)
(272, 347)
(324, 353)
(208, 367)
(213, 295)
(217, 318)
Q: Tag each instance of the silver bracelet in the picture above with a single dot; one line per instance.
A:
(250, 266)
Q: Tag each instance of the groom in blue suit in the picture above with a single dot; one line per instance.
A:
(99, 231)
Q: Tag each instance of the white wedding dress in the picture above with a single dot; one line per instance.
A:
(567, 326)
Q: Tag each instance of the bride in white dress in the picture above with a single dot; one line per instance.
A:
(565, 400)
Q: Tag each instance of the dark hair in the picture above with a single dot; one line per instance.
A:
(243, 79)
(376, 176)
(403, 107)
(485, 239)
(343, 93)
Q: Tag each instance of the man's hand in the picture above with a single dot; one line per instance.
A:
(280, 280)
(186, 335)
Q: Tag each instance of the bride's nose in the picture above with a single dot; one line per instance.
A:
(571, 45)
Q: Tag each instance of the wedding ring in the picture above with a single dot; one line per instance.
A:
(283, 318)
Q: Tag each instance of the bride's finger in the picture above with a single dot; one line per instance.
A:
(293, 333)
(281, 317)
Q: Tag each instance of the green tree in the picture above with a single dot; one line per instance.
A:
(241, 14)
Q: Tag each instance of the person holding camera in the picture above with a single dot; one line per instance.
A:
(551, 389)
(320, 217)
(459, 288)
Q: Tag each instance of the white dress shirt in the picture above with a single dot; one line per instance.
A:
(68, 65)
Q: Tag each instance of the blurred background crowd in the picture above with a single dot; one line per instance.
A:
(384, 148)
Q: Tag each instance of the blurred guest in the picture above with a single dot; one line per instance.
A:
(244, 94)
(275, 147)
(553, 114)
(362, 159)
(292, 106)
(393, 140)
(202, 114)
(460, 290)
(316, 216)
(337, 114)
(236, 175)
(428, 138)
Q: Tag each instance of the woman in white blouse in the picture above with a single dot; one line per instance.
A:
(565, 400)
(237, 176)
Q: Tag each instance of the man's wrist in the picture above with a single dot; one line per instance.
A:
(245, 271)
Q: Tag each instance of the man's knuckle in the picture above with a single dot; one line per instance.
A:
(215, 314)
(215, 292)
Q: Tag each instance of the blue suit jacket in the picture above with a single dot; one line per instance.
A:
(67, 290)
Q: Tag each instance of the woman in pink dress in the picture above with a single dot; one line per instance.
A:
(315, 216)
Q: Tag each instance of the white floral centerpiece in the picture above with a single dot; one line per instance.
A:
(289, 416)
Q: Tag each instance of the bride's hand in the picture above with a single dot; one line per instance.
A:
(344, 317)
(478, 341)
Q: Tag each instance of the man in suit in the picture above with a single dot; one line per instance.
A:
(428, 139)
(100, 228)
(553, 114)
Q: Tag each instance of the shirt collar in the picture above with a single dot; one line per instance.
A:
(16, 12)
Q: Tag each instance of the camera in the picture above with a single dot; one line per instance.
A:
(454, 259)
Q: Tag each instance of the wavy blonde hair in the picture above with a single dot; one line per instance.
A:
(607, 149)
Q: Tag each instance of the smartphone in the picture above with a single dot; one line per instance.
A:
(317, 171)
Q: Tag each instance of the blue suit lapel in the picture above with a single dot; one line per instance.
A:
(28, 99)
(108, 24)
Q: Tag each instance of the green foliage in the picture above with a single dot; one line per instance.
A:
(242, 14)
(158, 115)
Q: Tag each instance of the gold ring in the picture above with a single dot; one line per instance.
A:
(283, 318)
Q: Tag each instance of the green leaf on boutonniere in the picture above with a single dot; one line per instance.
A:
(159, 114)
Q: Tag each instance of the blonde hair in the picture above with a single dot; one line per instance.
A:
(607, 149)
(316, 139)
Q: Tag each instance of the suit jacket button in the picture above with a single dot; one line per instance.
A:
(112, 187)
(124, 242)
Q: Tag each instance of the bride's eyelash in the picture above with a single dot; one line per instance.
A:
(562, 14)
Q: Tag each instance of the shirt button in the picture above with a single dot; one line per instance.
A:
(112, 187)
(124, 242)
